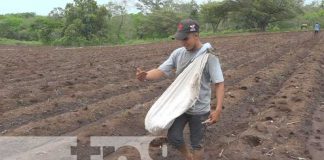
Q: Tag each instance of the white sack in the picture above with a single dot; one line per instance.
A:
(180, 96)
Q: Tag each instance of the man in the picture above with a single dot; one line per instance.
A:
(317, 28)
(200, 114)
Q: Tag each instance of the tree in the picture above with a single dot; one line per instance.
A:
(48, 29)
(16, 26)
(57, 13)
(255, 13)
(10, 26)
(162, 22)
(119, 12)
(194, 12)
(187, 10)
(85, 20)
(313, 13)
(161, 17)
(139, 21)
(216, 12)
(263, 12)
(151, 5)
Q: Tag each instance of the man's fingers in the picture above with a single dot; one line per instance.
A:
(141, 75)
(139, 70)
(211, 120)
(141, 78)
(207, 121)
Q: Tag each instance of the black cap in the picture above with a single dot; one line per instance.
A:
(185, 27)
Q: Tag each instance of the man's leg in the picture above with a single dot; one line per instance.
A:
(175, 136)
(197, 133)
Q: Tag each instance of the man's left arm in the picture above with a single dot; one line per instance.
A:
(217, 80)
(219, 92)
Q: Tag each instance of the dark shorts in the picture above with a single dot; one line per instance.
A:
(316, 31)
(197, 130)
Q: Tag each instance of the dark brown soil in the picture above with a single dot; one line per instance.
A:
(274, 103)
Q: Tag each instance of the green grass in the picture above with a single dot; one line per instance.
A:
(226, 33)
(5, 41)
(202, 34)
(145, 41)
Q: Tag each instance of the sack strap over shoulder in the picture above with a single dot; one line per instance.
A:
(203, 50)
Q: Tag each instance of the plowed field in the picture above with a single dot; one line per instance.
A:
(273, 110)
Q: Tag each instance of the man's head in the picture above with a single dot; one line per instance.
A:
(188, 34)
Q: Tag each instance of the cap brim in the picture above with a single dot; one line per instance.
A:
(180, 35)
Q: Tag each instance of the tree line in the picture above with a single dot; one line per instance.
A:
(84, 22)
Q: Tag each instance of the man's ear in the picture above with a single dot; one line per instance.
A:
(196, 35)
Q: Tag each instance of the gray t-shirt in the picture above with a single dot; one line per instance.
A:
(317, 27)
(212, 74)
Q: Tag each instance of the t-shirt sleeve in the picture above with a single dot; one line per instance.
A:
(215, 70)
(167, 66)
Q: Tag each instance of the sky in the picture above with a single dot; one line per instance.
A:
(43, 7)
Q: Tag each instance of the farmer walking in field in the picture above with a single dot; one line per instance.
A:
(200, 114)
(317, 28)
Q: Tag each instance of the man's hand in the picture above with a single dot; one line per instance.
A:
(213, 117)
(140, 74)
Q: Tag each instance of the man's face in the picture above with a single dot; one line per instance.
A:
(190, 42)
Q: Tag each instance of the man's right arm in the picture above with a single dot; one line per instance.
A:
(153, 74)
(165, 69)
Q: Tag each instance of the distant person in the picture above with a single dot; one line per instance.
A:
(200, 113)
(317, 28)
